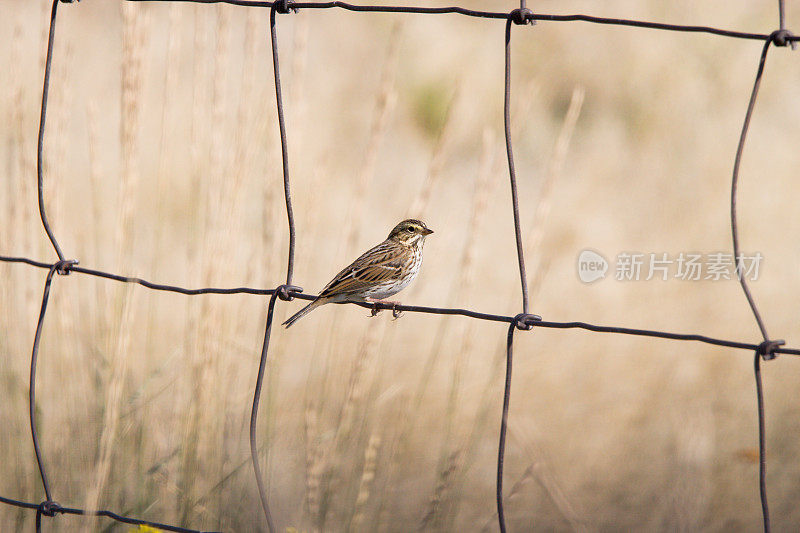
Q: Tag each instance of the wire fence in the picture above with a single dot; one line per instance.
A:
(765, 350)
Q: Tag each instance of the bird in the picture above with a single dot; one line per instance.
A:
(378, 273)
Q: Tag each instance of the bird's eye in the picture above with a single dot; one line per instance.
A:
(410, 229)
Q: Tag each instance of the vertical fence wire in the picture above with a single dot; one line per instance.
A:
(735, 185)
(766, 349)
(42, 119)
(262, 492)
(284, 292)
(522, 321)
(32, 384)
(48, 507)
(762, 465)
(501, 517)
(511, 170)
(762, 445)
(284, 143)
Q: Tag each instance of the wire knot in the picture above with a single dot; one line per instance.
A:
(525, 321)
(284, 7)
(522, 16)
(287, 292)
(782, 38)
(64, 266)
(767, 349)
(48, 508)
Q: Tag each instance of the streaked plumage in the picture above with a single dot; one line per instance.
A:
(380, 272)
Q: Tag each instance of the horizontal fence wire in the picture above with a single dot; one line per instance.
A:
(52, 508)
(450, 311)
(490, 15)
(766, 350)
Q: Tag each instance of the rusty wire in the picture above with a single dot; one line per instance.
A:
(490, 15)
(51, 509)
(40, 142)
(532, 320)
(766, 350)
(517, 16)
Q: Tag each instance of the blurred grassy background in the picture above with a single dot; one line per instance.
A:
(162, 161)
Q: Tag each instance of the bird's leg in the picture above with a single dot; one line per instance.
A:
(375, 310)
(395, 313)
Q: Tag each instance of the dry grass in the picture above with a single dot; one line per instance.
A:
(162, 161)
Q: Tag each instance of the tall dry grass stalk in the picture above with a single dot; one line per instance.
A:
(357, 387)
(299, 70)
(96, 173)
(491, 523)
(133, 43)
(197, 360)
(119, 326)
(57, 138)
(466, 272)
(218, 189)
(542, 471)
(22, 167)
(385, 102)
(439, 155)
(164, 185)
(433, 518)
(14, 206)
(165, 147)
(537, 229)
(353, 419)
(113, 401)
(365, 485)
(221, 221)
(264, 131)
(315, 466)
(20, 170)
(464, 333)
(200, 106)
(418, 206)
(250, 130)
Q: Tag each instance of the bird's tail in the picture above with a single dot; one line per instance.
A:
(303, 312)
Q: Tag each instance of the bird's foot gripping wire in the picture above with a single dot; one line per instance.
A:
(396, 313)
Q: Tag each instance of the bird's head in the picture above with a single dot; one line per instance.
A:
(410, 232)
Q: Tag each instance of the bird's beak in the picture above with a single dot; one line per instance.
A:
(427, 231)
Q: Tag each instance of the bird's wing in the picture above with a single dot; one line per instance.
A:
(378, 265)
